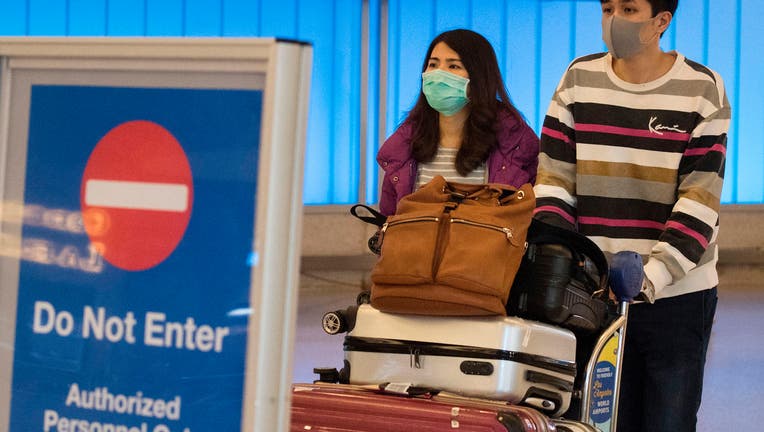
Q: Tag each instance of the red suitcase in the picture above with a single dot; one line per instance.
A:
(339, 408)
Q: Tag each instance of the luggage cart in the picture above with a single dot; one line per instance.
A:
(600, 379)
(602, 375)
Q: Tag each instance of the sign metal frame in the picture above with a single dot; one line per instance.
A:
(281, 69)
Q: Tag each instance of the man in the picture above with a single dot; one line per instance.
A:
(632, 155)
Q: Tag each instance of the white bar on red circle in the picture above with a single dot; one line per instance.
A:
(136, 195)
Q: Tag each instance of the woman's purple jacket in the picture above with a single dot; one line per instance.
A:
(513, 162)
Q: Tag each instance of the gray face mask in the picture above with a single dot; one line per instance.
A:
(623, 37)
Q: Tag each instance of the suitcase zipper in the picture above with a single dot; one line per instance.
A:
(507, 231)
(417, 349)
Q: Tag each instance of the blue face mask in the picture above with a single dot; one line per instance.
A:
(445, 92)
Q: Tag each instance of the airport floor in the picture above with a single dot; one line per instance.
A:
(734, 381)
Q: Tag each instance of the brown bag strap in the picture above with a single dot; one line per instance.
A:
(374, 217)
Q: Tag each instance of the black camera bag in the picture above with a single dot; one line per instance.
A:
(562, 280)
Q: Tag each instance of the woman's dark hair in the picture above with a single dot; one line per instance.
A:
(487, 95)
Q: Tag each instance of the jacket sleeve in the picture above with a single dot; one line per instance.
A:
(531, 144)
(556, 178)
(694, 219)
(388, 198)
(515, 160)
(389, 157)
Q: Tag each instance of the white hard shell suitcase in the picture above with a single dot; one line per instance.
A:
(501, 358)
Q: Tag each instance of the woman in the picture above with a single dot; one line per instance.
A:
(463, 125)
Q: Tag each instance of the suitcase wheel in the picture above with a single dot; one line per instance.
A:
(334, 322)
(363, 297)
(327, 375)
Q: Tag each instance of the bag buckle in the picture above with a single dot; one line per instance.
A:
(457, 197)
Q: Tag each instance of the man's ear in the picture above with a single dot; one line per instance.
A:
(664, 20)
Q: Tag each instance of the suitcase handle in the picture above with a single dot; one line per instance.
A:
(407, 389)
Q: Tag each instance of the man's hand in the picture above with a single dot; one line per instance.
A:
(647, 294)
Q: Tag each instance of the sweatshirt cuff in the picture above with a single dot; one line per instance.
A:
(658, 275)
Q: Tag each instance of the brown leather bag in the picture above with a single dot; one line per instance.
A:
(452, 249)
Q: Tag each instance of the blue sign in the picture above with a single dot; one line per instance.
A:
(602, 392)
(107, 344)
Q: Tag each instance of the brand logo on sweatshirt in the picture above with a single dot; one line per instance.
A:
(656, 128)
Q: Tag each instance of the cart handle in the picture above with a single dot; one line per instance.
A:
(626, 275)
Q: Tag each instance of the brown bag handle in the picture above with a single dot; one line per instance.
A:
(502, 193)
(375, 218)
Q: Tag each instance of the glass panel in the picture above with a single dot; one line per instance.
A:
(13, 18)
(165, 18)
(723, 59)
(241, 18)
(87, 17)
(203, 18)
(749, 110)
(125, 18)
(47, 18)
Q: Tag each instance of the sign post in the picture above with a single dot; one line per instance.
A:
(149, 232)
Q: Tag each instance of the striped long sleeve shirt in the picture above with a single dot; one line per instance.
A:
(639, 166)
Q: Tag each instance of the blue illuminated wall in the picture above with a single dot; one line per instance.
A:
(536, 39)
(367, 54)
(332, 26)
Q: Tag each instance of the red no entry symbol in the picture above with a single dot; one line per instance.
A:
(136, 195)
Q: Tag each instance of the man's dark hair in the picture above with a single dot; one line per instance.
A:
(658, 6)
(663, 5)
